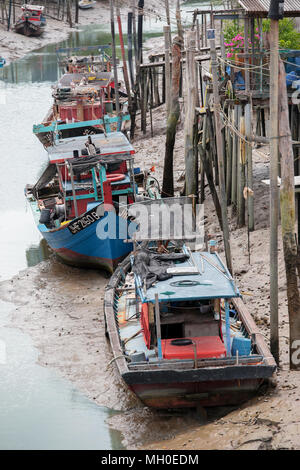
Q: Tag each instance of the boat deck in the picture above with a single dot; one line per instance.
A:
(213, 281)
(113, 143)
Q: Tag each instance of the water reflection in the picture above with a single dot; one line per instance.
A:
(37, 253)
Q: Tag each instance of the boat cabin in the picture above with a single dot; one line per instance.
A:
(72, 59)
(84, 173)
(185, 304)
(83, 97)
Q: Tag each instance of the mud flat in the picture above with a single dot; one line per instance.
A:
(61, 308)
(271, 421)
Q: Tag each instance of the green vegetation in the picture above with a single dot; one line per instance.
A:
(289, 37)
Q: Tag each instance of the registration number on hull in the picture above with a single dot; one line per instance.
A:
(87, 219)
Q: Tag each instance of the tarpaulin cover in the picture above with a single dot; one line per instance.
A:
(152, 267)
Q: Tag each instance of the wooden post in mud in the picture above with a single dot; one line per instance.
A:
(9, 15)
(217, 115)
(241, 176)
(129, 48)
(69, 13)
(236, 113)
(77, 11)
(125, 70)
(288, 219)
(207, 166)
(178, 20)
(191, 173)
(274, 210)
(246, 42)
(140, 30)
(250, 198)
(114, 58)
(168, 20)
(167, 69)
(134, 35)
(168, 178)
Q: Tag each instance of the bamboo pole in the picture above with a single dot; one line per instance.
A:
(125, 70)
(140, 30)
(250, 199)
(9, 15)
(77, 11)
(114, 58)
(274, 212)
(241, 176)
(246, 42)
(234, 161)
(168, 177)
(167, 69)
(129, 48)
(168, 20)
(191, 173)
(288, 220)
(178, 20)
(222, 188)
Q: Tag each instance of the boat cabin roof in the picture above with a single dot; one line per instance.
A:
(26, 6)
(102, 79)
(113, 143)
(212, 282)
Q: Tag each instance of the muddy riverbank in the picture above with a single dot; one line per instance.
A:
(271, 421)
(61, 309)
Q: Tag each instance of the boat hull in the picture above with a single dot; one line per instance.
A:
(27, 28)
(85, 249)
(197, 391)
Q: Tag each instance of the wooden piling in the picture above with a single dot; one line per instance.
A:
(241, 176)
(168, 178)
(274, 211)
(250, 197)
(191, 173)
(114, 58)
(167, 69)
(287, 205)
(222, 188)
(236, 114)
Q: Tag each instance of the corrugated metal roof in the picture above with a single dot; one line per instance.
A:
(261, 7)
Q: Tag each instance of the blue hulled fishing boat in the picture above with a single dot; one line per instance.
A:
(76, 201)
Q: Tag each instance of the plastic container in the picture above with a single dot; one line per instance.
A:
(242, 345)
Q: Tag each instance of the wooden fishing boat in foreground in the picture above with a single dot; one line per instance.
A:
(180, 333)
(32, 22)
